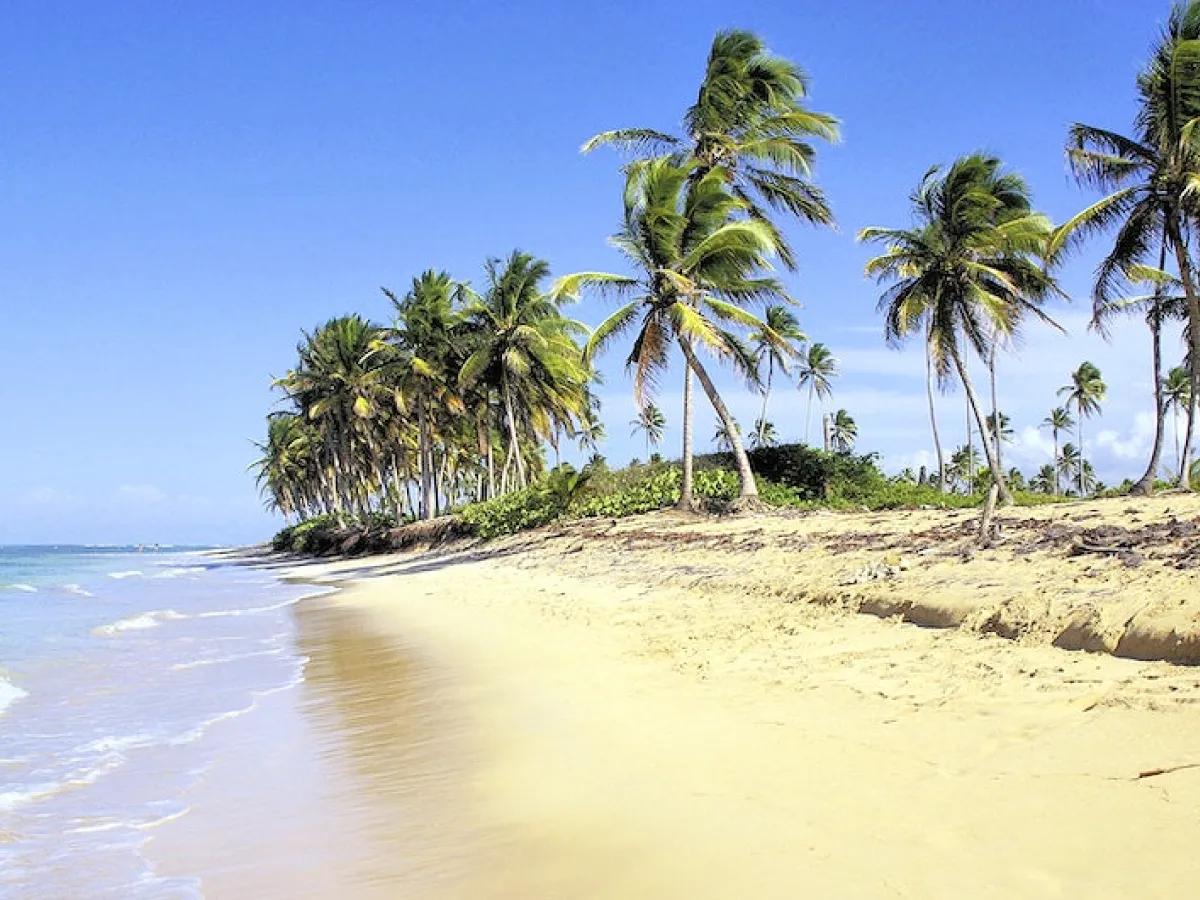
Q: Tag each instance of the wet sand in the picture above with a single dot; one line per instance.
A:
(623, 715)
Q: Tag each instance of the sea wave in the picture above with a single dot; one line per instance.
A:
(219, 660)
(132, 573)
(77, 590)
(246, 611)
(9, 694)
(140, 622)
(177, 571)
(24, 588)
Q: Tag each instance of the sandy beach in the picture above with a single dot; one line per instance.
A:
(679, 707)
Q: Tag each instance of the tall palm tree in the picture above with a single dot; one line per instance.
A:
(699, 258)
(1046, 480)
(1087, 391)
(424, 353)
(526, 352)
(775, 344)
(1058, 422)
(1149, 179)
(969, 272)
(842, 432)
(651, 423)
(817, 370)
(750, 125)
(1177, 395)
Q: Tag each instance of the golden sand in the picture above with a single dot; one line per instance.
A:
(671, 707)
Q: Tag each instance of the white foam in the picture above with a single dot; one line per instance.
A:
(247, 611)
(27, 588)
(9, 694)
(139, 622)
(132, 573)
(176, 571)
(77, 590)
(218, 660)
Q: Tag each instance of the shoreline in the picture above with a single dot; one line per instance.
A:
(669, 706)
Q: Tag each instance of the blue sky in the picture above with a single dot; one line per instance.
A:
(187, 186)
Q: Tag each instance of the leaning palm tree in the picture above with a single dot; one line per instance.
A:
(1149, 179)
(750, 125)
(1058, 422)
(968, 272)
(775, 344)
(842, 432)
(700, 258)
(817, 370)
(1177, 396)
(651, 423)
(1086, 390)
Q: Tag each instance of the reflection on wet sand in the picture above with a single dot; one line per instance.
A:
(351, 785)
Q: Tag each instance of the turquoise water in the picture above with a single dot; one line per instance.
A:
(113, 664)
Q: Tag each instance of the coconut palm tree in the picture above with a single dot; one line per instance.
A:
(724, 438)
(1087, 391)
(700, 258)
(525, 351)
(1058, 422)
(1068, 464)
(816, 372)
(764, 434)
(969, 272)
(651, 423)
(1046, 480)
(750, 125)
(842, 432)
(1149, 179)
(775, 344)
(1177, 395)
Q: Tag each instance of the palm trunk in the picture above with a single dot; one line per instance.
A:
(762, 418)
(1193, 305)
(973, 402)
(808, 413)
(1056, 472)
(937, 441)
(512, 428)
(1082, 455)
(1145, 484)
(426, 460)
(996, 436)
(686, 500)
(970, 487)
(748, 489)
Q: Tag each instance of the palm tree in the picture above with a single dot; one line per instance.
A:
(1069, 460)
(525, 352)
(818, 368)
(1058, 421)
(1149, 179)
(724, 438)
(764, 434)
(698, 263)
(1177, 395)
(842, 432)
(1046, 480)
(651, 422)
(749, 124)
(775, 344)
(968, 273)
(1086, 390)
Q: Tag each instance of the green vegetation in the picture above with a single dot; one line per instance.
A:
(449, 413)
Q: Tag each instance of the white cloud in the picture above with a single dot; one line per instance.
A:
(46, 496)
(139, 495)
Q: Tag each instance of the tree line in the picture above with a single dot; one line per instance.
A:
(458, 399)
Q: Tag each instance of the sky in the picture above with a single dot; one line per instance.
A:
(185, 188)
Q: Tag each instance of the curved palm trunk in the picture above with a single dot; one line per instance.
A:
(937, 440)
(748, 488)
(973, 402)
(1186, 275)
(970, 486)
(686, 500)
(1082, 455)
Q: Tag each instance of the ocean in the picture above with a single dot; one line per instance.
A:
(114, 664)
